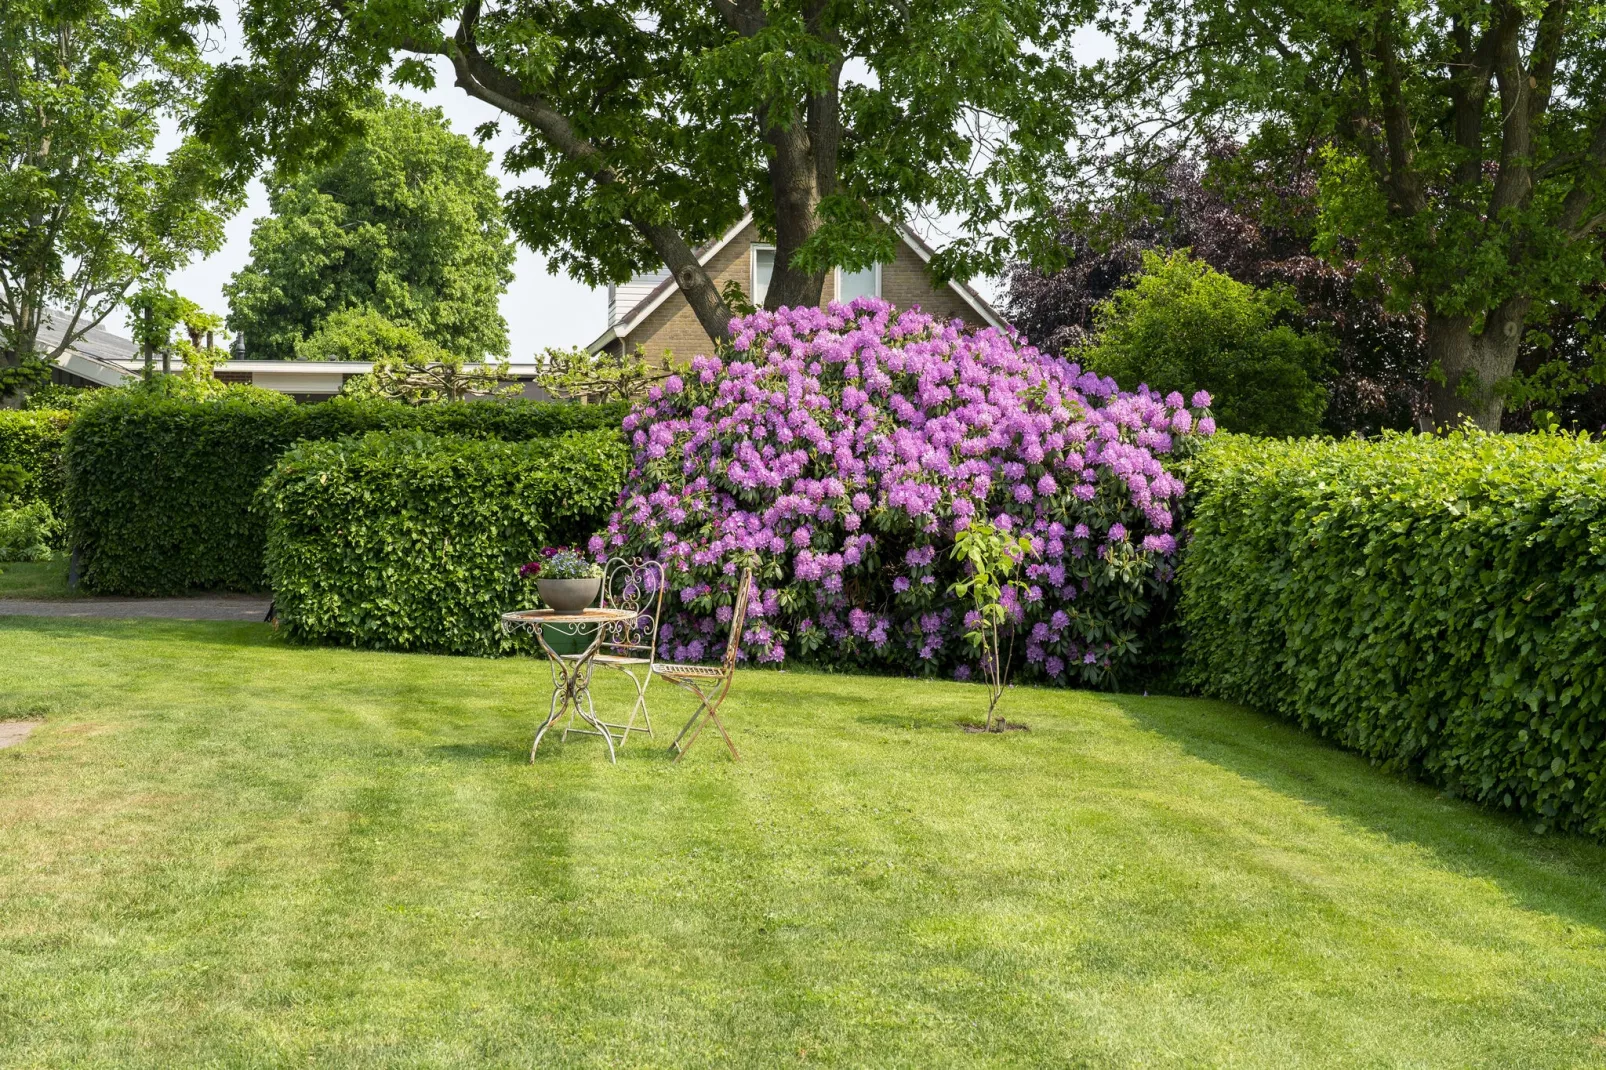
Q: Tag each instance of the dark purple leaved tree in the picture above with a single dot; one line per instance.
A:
(1257, 228)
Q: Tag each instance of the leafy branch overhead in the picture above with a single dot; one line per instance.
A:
(647, 128)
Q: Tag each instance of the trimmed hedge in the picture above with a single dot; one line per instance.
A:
(407, 541)
(160, 491)
(32, 439)
(1438, 604)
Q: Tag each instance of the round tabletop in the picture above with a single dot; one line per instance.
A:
(529, 618)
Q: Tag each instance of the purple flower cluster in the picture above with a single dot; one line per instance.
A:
(840, 450)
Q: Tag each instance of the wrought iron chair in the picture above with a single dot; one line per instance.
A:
(710, 683)
(629, 646)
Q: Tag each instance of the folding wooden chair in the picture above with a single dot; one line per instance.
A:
(710, 683)
(630, 646)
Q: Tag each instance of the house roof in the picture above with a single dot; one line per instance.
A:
(92, 356)
(661, 293)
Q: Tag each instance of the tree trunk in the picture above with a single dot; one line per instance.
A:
(22, 342)
(695, 284)
(24, 331)
(794, 185)
(1468, 367)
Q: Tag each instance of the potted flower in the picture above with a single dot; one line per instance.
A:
(564, 578)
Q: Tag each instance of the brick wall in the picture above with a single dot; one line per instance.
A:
(905, 283)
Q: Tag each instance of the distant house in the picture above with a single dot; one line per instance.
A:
(651, 312)
(319, 380)
(101, 358)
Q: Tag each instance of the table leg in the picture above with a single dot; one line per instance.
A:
(553, 713)
(589, 715)
(571, 681)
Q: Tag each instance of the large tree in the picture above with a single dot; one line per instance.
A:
(1461, 147)
(650, 126)
(406, 222)
(86, 205)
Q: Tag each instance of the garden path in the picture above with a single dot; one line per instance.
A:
(14, 732)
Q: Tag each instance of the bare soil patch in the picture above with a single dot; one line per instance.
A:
(14, 732)
(998, 726)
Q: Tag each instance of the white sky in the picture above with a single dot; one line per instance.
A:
(541, 308)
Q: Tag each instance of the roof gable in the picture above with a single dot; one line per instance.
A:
(667, 288)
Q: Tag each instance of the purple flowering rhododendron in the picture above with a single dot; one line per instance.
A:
(840, 450)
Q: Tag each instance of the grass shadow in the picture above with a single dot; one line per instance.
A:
(229, 634)
(1555, 873)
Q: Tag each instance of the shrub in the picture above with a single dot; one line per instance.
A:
(32, 440)
(839, 452)
(407, 541)
(1434, 603)
(1184, 326)
(160, 491)
(58, 397)
(26, 532)
(193, 382)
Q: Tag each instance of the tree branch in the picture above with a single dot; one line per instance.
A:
(1578, 202)
(1544, 57)
(1514, 185)
(1402, 178)
(744, 16)
(482, 80)
(1469, 91)
(1361, 115)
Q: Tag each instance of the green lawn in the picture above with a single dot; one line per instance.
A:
(218, 850)
(35, 579)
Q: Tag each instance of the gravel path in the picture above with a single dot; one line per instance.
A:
(214, 607)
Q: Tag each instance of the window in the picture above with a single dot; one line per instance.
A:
(851, 284)
(763, 268)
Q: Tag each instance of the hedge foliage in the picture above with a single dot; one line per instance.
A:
(1438, 604)
(160, 491)
(32, 439)
(408, 541)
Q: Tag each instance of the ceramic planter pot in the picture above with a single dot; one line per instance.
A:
(568, 595)
(568, 640)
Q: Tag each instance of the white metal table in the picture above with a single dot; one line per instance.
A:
(571, 673)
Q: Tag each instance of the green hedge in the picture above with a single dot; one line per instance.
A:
(1438, 604)
(160, 491)
(406, 541)
(32, 439)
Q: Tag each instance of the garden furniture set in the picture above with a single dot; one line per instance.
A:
(621, 633)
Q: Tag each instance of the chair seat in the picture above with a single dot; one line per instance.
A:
(708, 671)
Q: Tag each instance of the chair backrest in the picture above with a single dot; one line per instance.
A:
(637, 586)
(738, 620)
